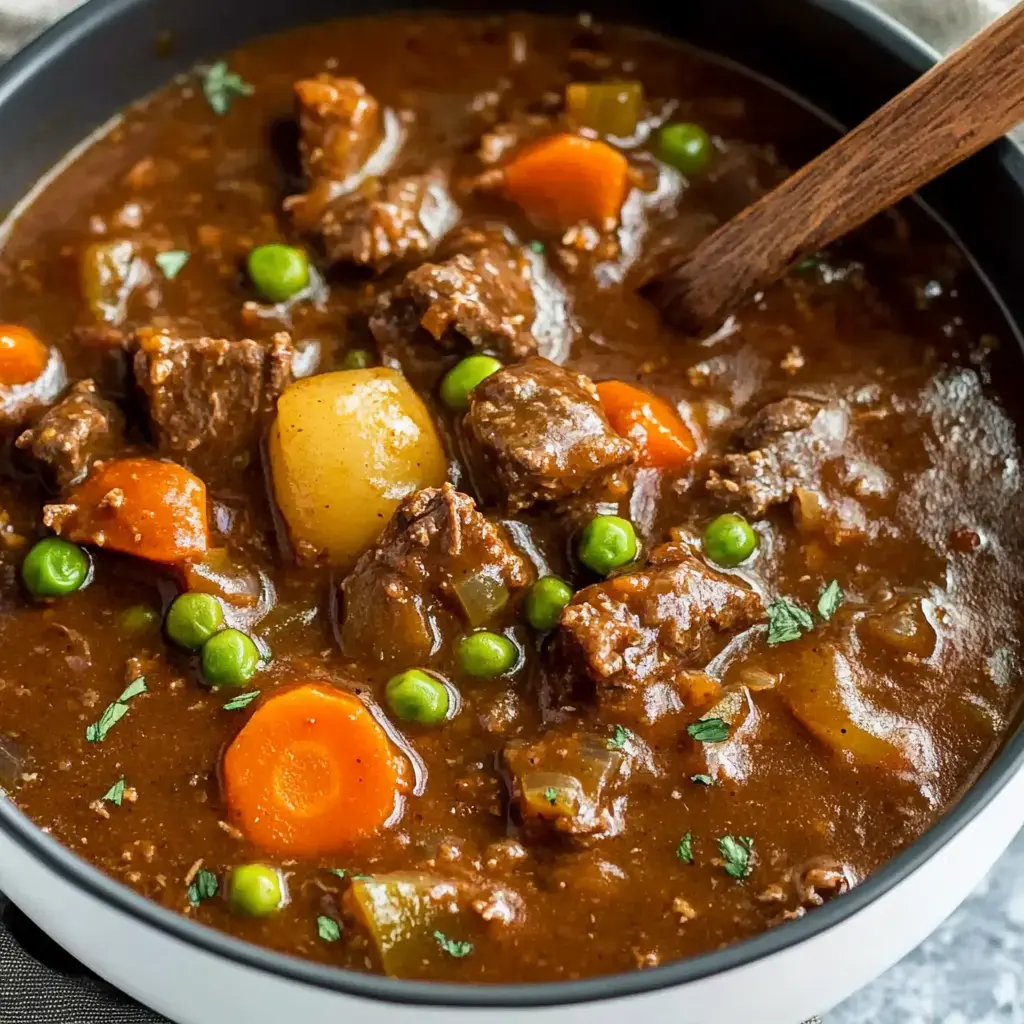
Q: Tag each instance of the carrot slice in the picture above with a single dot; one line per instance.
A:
(312, 772)
(143, 507)
(23, 357)
(665, 441)
(565, 179)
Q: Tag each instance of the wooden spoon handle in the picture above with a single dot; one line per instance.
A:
(967, 101)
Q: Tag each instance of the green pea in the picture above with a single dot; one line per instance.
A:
(486, 654)
(416, 696)
(729, 540)
(256, 890)
(230, 658)
(460, 380)
(545, 601)
(54, 568)
(685, 146)
(278, 271)
(357, 359)
(139, 618)
(607, 543)
(192, 619)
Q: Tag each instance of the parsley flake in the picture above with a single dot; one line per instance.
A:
(345, 873)
(115, 794)
(551, 795)
(243, 700)
(134, 689)
(737, 854)
(113, 713)
(203, 887)
(221, 86)
(327, 928)
(709, 730)
(452, 946)
(702, 780)
(830, 600)
(620, 738)
(171, 262)
(787, 621)
(536, 246)
(684, 851)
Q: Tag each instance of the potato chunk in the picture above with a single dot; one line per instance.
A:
(345, 449)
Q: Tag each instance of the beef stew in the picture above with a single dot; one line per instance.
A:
(390, 587)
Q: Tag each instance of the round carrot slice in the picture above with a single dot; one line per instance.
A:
(23, 357)
(312, 772)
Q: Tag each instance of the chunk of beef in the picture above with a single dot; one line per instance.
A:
(493, 295)
(340, 126)
(654, 625)
(81, 428)
(209, 398)
(776, 419)
(787, 443)
(564, 783)
(541, 431)
(439, 565)
(380, 224)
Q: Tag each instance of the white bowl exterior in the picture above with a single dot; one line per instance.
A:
(192, 986)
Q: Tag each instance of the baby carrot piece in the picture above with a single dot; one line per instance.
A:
(312, 772)
(143, 507)
(565, 179)
(23, 357)
(665, 441)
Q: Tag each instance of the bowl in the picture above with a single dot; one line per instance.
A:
(847, 58)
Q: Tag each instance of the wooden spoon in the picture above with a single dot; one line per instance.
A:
(962, 104)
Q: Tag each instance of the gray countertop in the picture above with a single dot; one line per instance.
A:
(972, 970)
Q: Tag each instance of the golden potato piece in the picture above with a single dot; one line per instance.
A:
(345, 449)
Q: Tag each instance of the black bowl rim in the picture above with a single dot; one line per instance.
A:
(97, 16)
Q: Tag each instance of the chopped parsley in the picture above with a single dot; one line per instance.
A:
(702, 780)
(620, 738)
(203, 887)
(171, 262)
(737, 854)
(709, 730)
(134, 689)
(452, 946)
(684, 851)
(345, 873)
(115, 794)
(551, 795)
(327, 928)
(113, 713)
(830, 600)
(243, 700)
(536, 246)
(809, 263)
(787, 621)
(221, 86)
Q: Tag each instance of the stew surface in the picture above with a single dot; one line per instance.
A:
(384, 583)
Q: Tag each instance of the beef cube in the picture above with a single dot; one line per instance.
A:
(380, 225)
(564, 783)
(655, 625)
(787, 443)
(439, 566)
(541, 431)
(340, 126)
(73, 434)
(210, 398)
(493, 295)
